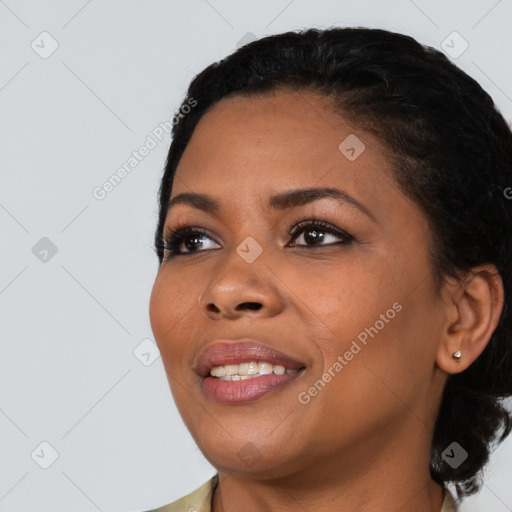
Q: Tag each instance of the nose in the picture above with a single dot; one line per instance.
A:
(240, 291)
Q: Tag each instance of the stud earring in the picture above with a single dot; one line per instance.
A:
(457, 355)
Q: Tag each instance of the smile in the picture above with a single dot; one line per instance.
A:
(245, 371)
(240, 371)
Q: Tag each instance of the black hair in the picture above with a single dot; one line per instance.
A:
(451, 152)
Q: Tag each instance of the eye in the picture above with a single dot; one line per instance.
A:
(316, 232)
(183, 240)
(186, 240)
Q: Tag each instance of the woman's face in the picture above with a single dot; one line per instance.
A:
(352, 303)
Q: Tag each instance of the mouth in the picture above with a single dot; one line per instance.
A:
(243, 371)
(250, 370)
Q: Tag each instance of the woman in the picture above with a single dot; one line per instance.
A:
(333, 302)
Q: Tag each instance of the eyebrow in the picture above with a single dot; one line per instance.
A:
(281, 201)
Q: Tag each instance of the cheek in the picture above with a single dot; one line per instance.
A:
(172, 309)
(345, 298)
(366, 371)
(173, 303)
(386, 363)
(373, 323)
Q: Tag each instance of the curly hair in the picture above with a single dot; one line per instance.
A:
(451, 151)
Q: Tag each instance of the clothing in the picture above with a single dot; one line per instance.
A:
(200, 500)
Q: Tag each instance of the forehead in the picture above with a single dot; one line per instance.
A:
(259, 145)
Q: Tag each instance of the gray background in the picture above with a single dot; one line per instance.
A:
(81, 380)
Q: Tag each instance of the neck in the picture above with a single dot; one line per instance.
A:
(367, 478)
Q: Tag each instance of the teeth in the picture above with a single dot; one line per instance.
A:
(231, 369)
(235, 377)
(218, 371)
(249, 370)
(279, 370)
(265, 368)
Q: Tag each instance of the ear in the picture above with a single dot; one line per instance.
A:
(474, 305)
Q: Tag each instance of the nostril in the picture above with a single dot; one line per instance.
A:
(249, 305)
(213, 307)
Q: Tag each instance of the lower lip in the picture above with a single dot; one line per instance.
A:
(241, 391)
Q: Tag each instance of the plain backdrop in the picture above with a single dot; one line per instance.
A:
(87, 421)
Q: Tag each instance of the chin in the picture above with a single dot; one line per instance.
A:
(246, 454)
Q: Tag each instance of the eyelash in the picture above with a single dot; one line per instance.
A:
(179, 233)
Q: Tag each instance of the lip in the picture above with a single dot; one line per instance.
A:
(224, 352)
(241, 351)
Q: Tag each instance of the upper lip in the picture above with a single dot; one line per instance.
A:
(223, 352)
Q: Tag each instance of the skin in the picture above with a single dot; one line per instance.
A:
(363, 442)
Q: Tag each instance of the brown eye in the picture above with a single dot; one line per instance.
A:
(315, 233)
(186, 240)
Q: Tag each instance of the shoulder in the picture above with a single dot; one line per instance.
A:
(197, 501)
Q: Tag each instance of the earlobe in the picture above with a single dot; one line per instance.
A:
(474, 311)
